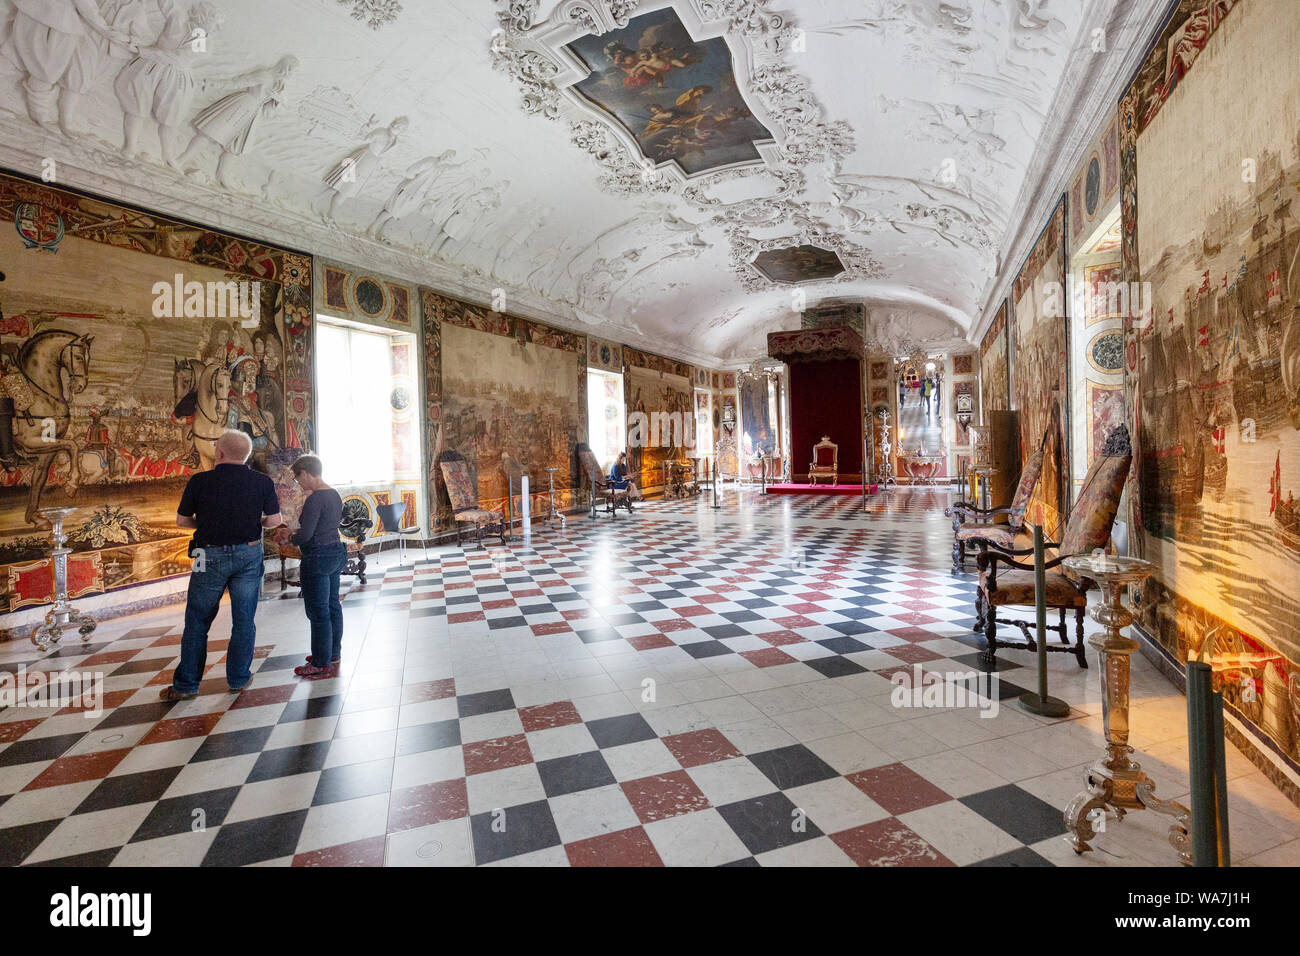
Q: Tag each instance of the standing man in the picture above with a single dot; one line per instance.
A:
(228, 506)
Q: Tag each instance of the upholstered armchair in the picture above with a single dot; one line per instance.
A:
(462, 491)
(1087, 530)
(981, 526)
(825, 461)
(601, 492)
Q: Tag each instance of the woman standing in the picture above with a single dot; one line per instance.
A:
(323, 558)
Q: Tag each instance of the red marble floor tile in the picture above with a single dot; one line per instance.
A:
(576, 614)
(213, 685)
(813, 596)
(544, 716)
(168, 640)
(700, 747)
(912, 653)
(794, 620)
(497, 605)
(261, 696)
(111, 699)
(805, 608)
(554, 627)
(692, 610)
(496, 754)
(14, 729)
(162, 677)
(648, 642)
(913, 634)
(429, 690)
(781, 637)
(109, 657)
(889, 672)
(671, 624)
(557, 583)
(915, 605)
(427, 804)
(78, 769)
(664, 795)
(528, 592)
(358, 853)
(465, 616)
(458, 585)
(897, 788)
(199, 725)
(631, 847)
(767, 657)
(915, 618)
(641, 582)
(426, 595)
(707, 599)
(888, 842)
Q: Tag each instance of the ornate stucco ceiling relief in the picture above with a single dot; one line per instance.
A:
(653, 160)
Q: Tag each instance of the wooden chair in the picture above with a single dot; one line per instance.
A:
(982, 527)
(1087, 530)
(825, 461)
(462, 492)
(611, 498)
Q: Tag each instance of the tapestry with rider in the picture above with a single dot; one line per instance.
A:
(128, 343)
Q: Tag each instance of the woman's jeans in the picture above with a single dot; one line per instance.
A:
(319, 574)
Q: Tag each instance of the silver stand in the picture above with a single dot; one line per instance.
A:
(63, 615)
(552, 515)
(887, 462)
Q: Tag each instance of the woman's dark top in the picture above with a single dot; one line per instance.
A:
(618, 475)
(318, 525)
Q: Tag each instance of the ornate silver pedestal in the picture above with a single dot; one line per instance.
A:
(63, 615)
(886, 450)
(1116, 782)
(553, 514)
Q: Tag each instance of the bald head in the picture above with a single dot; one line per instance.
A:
(233, 447)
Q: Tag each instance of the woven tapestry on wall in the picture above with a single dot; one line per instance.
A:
(508, 387)
(995, 392)
(1212, 371)
(130, 342)
(1040, 350)
(659, 389)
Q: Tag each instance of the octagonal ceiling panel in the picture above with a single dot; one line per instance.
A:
(795, 264)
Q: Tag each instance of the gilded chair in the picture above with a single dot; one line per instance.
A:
(601, 492)
(462, 491)
(1087, 530)
(982, 526)
(825, 461)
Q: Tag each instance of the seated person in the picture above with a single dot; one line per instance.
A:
(619, 477)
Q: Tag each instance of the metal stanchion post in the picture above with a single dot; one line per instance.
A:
(1041, 702)
(714, 484)
(1205, 757)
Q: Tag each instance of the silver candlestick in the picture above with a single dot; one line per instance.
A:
(63, 615)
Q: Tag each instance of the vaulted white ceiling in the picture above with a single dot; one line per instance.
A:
(908, 137)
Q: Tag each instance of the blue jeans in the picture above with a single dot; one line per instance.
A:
(237, 567)
(319, 574)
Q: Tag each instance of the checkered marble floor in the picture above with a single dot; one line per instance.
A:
(680, 686)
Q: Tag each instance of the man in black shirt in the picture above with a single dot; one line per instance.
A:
(229, 506)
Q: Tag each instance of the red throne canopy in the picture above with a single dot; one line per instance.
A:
(825, 393)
